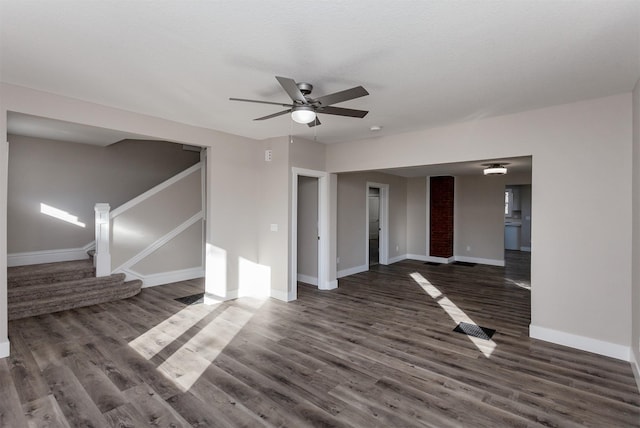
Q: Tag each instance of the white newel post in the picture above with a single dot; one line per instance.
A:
(103, 256)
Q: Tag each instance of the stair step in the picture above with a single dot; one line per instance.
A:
(49, 273)
(35, 291)
(60, 300)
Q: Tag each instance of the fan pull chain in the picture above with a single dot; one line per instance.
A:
(290, 130)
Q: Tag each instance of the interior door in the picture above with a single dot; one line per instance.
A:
(374, 226)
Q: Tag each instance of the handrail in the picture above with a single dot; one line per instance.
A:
(149, 193)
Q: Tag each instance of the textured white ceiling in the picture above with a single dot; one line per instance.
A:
(425, 63)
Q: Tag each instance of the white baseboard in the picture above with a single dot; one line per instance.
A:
(162, 278)
(352, 271)
(635, 368)
(281, 295)
(527, 249)
(313, 280)
(396, 259)
(491, 262)
(5, 348)
(423, 258)
(329, 285)
(589, 344)
(49, 256)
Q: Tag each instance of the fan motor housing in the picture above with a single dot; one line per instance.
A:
(305, 88)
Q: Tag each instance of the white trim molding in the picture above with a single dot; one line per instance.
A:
(329, 285)
(5, 348)
(481, 261)
(149, 193)
(352, 271)
(151, 280)
(159, 243)
(324, 268)
(396, 259)
(307, 279)
(635, 368)
(608, 349)
(49, 256)
(282, 295)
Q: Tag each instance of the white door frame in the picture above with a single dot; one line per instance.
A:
(383, 237)
(323, 231)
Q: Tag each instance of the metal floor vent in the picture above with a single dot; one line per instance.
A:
(193, 299)
(474, 330)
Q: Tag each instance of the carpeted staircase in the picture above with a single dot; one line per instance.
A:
(52, 287)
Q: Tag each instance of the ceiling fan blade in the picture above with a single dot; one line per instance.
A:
(280, 113)
(261, 102)
(339, 111)
(314, 123)
(289, 85)
(338, 97)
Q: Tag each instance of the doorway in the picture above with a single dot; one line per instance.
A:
(374, 226)
(377, 222)
(308, 237)
(324, 271)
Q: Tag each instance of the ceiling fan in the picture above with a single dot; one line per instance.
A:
(304, 109)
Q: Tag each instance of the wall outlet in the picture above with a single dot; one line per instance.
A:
(468, 247)
(268, 155)
(338, 260)
(274, 227)
(397, 248)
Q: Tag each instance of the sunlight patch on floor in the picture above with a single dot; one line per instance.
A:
(187, 364)
(155, 340)
(456, 314)
(521, 284)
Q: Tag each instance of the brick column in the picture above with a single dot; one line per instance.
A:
(441, 216)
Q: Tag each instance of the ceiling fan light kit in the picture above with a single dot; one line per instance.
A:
(495, 169)
(304, 109)
(303, 114)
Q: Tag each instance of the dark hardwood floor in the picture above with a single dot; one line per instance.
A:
(377, 352)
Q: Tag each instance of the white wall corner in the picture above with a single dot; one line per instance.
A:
(608, 349)
(5, 348)
(635, 368)
(418, 257)
(352, 271)
(307, 279)
(329, 285)
(397, 259)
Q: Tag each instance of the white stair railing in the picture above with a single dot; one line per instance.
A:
(102, 257)
(106, 239)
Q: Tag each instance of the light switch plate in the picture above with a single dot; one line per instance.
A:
(274, 227)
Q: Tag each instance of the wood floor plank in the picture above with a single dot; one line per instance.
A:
(25, 371)
(379, 351)
(45, 412)
(153, 408)
(105, 395)
(76, 405)
(11, 414)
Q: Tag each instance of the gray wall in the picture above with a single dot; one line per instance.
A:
(568, 143)
(479, 217)
(635, 330)
(416, 216)
(308, 226)
(352, 216)
(74, 177)
(140, 226)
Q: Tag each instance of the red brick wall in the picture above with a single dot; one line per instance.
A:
(441, 215)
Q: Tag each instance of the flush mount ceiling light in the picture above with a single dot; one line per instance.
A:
(495, 168)
(303, 114)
